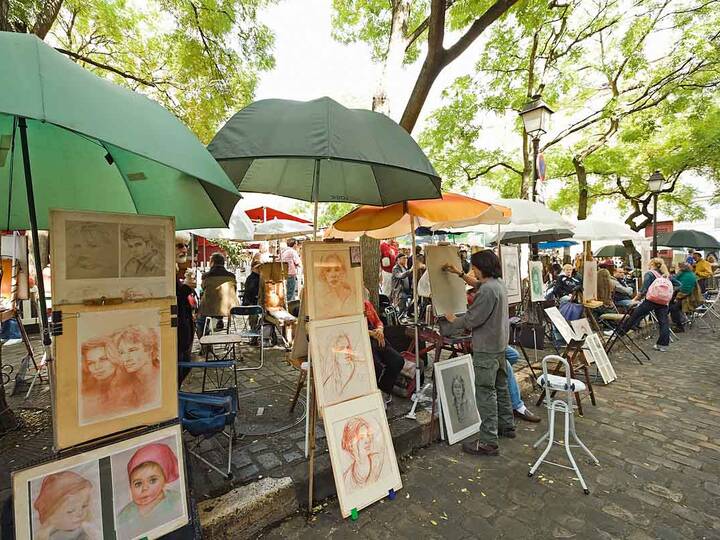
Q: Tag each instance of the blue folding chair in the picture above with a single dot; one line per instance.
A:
(206, 417)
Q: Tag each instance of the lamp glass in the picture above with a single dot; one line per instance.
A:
(537, 120)
(655, 182)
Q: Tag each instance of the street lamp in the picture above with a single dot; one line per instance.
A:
(655, 185)
(536, 120)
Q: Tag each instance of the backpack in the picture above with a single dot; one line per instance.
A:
(660, 290)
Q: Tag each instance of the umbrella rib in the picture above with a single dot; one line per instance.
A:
(127, 184)
(202, 183)
(11, 170)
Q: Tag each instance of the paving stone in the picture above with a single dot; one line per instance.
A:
(644, 497)
(268, 461)
(688, 514)
(666, 493)
(614, 510)
(289, 457)
(240, 460)
(712, 487)
(694, 463)
(257, 447)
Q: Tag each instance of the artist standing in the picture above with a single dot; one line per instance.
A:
(487, 319)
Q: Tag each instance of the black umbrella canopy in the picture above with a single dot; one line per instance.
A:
(688, 238)
(616, 250)
(321, 151)
(527, 237)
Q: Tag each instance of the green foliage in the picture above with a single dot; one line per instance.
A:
(236, 252)
(328, 213)
(199, 58)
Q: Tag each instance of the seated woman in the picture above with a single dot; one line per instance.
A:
(388, 362)
(565, 284)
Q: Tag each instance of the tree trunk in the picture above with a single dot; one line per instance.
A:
(581, 174)
(4, 12)
(526, 179)
(370, 252)
(46, 18)
(394, 58)
(431, 68)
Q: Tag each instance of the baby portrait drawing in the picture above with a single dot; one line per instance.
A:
(147, 488)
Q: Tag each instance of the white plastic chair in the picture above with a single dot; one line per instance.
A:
(566, 386)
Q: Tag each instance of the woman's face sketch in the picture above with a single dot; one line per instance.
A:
(343, 349)
(334, 272)
(458, 388)
(99, 364)
(133, 355)
(364, 441)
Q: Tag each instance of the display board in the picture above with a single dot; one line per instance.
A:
(361, 452)
(104, 255)
(595, 353)
(510, 260)
(108, 492)
(448, 290)
(455, 381)
(589, 280)
(115, 369)
(561, 324)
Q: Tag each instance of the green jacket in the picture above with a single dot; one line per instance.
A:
(687, 280)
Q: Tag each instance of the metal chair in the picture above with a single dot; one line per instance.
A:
(567, 386)
(206, 416)
(245, 326)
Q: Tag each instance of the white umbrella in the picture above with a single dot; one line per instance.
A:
(276, 229)
(526, 215)
(240, 228)
(590, 230)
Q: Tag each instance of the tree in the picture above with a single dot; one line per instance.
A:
(393, 29)
(198, 58)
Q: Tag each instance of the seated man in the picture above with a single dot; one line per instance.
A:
(219, 292)
(623, 295)
(688, 281)
(519, 408)
(388, 362)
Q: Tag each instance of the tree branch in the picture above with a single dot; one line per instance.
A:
(107, 67)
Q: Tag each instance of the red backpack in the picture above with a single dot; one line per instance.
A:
(660, 290)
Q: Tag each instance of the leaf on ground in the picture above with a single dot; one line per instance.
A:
(433, 522)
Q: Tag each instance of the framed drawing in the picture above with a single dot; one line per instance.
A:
(536, 282)
(510, 259)
(561, 324)
(342, 360)
(361, 452)
(589, 280)
(581, 327)
(334, 286)
(97, 255)
(448, 290)
(131, 489)
(595, 352)
(115, 369)
(456, 387)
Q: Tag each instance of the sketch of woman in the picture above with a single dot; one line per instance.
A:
(139, 352)
(359, 441)
(63, 508)
(460, 400)
(104, 390)
(335, 292)
(339, 367)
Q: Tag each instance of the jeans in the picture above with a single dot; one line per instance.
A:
(492, 395)
(511, 357)
(291, 288)
(661, 313)
(676, 313)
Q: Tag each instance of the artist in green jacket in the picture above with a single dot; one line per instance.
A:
(688, 281)
(487, 320)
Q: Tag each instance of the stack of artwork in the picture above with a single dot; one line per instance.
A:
(346, 393)
(115, 370)
(131, 489)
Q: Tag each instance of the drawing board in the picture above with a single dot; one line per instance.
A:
(589, 280)
(448, 290)
(561, 324)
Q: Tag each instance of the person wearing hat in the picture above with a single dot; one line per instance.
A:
(64, 508)
(150, 471)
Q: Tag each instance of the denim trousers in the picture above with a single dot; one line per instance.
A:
(492, 395)
(291, 288)
(511, 357)
(661, 313)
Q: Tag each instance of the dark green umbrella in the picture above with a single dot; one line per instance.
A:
(321, 151)
(71, 140)
(688, 239)
(616, 250)
(534, 237)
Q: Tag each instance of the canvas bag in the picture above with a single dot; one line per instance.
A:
(660, 290)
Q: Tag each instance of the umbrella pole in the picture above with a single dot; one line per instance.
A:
(311, 416)
(36, 241)
(416, 397)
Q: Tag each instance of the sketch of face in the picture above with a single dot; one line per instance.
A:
(137, 247)
(89, 247)
(364, 441)
(343, 349)
(147, 484)
(458, 388)
(334, 271)
(134, 356)
(99, 364)
(71, 512)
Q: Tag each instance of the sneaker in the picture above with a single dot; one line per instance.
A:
(508, 433)
(661, 348)
(477, 448)
(387, 398)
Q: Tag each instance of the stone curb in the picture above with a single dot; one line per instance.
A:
(247, 510)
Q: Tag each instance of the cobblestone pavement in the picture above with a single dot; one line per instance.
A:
(656, 432)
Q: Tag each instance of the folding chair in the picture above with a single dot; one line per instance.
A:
(566, 386)
(706, 312)
(205, 417)
(245, 327)
(615, 321)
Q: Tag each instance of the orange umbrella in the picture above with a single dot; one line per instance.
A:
(396, 219)
(403, 218)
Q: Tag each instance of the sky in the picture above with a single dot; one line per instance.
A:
(311, 64)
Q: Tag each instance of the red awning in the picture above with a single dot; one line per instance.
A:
(265, 213)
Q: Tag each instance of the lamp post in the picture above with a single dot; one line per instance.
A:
(655, 185)
(536, 120)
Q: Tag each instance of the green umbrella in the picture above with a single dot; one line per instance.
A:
(321, 151)
(71, 140)
(688, 239)
(616, 250)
